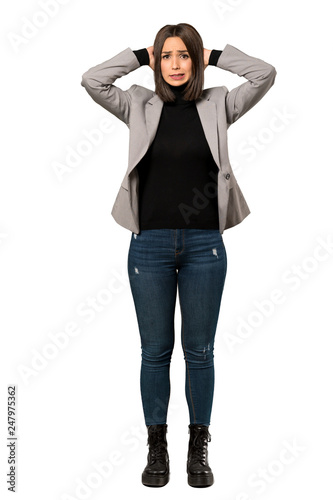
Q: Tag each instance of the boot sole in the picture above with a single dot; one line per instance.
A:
(157, 482)
(200, 481)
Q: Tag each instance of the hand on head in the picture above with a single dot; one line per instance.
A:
(151, 57)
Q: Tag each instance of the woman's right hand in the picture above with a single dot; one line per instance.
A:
(151, 57)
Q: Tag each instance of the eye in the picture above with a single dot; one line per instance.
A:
(184, 56)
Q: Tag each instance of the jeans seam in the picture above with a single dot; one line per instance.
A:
(188, 370)
(182, 250)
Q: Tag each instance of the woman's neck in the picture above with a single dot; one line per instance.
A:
(178, 91)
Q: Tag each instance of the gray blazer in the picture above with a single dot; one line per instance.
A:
(140, 108)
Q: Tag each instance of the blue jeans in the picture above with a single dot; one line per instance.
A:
(158, 261)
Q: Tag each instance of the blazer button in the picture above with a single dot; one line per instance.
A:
(227, 176)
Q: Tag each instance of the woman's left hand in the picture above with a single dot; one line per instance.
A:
(151, 57)
(206, 57)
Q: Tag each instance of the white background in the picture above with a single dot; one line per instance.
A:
(60, 248)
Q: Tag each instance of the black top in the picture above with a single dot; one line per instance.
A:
(178, 175)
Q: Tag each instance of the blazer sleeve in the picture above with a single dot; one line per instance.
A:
(260, 76)
(98, 82)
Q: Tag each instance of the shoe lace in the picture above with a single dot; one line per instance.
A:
(199, 448)
(157, 446)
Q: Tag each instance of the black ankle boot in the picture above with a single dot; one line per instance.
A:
(156, 472)
(199, 474)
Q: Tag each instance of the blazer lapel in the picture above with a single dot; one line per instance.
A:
(144, 138)
(153, 111)
(208, 117)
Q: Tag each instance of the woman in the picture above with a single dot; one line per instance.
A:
(178, 195)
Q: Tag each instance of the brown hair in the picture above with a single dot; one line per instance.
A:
(194, 45)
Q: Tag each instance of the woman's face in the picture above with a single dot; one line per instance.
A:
(176, 64)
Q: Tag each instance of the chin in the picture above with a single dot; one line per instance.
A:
(175, 83)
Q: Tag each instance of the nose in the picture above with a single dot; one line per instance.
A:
(175, 63)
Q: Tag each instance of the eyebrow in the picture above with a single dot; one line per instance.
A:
(169, 51)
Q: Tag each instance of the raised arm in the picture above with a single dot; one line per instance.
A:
(260, 76)
(98, 82)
